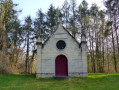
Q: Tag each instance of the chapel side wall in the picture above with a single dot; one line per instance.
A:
(38, 67)
(84, 60)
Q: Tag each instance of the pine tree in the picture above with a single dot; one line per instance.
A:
(51, 19)
(28, 32)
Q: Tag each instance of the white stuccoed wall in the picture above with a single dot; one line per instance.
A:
(77, 60)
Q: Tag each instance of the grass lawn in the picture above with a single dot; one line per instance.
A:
(29, 82)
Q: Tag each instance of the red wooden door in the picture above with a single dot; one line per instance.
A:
(61, 66)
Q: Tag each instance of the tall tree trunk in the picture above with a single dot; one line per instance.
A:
(114, 55)
(27, 54)
(93, 59)
(4, 39)
(108, 56)
(116, 29)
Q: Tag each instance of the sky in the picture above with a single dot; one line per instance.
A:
(30, 7)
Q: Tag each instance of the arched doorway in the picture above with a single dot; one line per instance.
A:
(61, 66)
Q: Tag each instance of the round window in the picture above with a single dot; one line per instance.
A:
(61, 44)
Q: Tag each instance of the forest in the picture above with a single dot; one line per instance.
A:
(18, 40)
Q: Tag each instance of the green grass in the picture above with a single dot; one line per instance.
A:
(29, 82)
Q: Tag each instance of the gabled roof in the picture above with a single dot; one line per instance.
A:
(53, 34)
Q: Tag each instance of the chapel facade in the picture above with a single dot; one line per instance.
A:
(61, 55)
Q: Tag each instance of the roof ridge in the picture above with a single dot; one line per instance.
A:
(55, 31)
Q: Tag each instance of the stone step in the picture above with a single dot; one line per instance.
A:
(60, 77)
